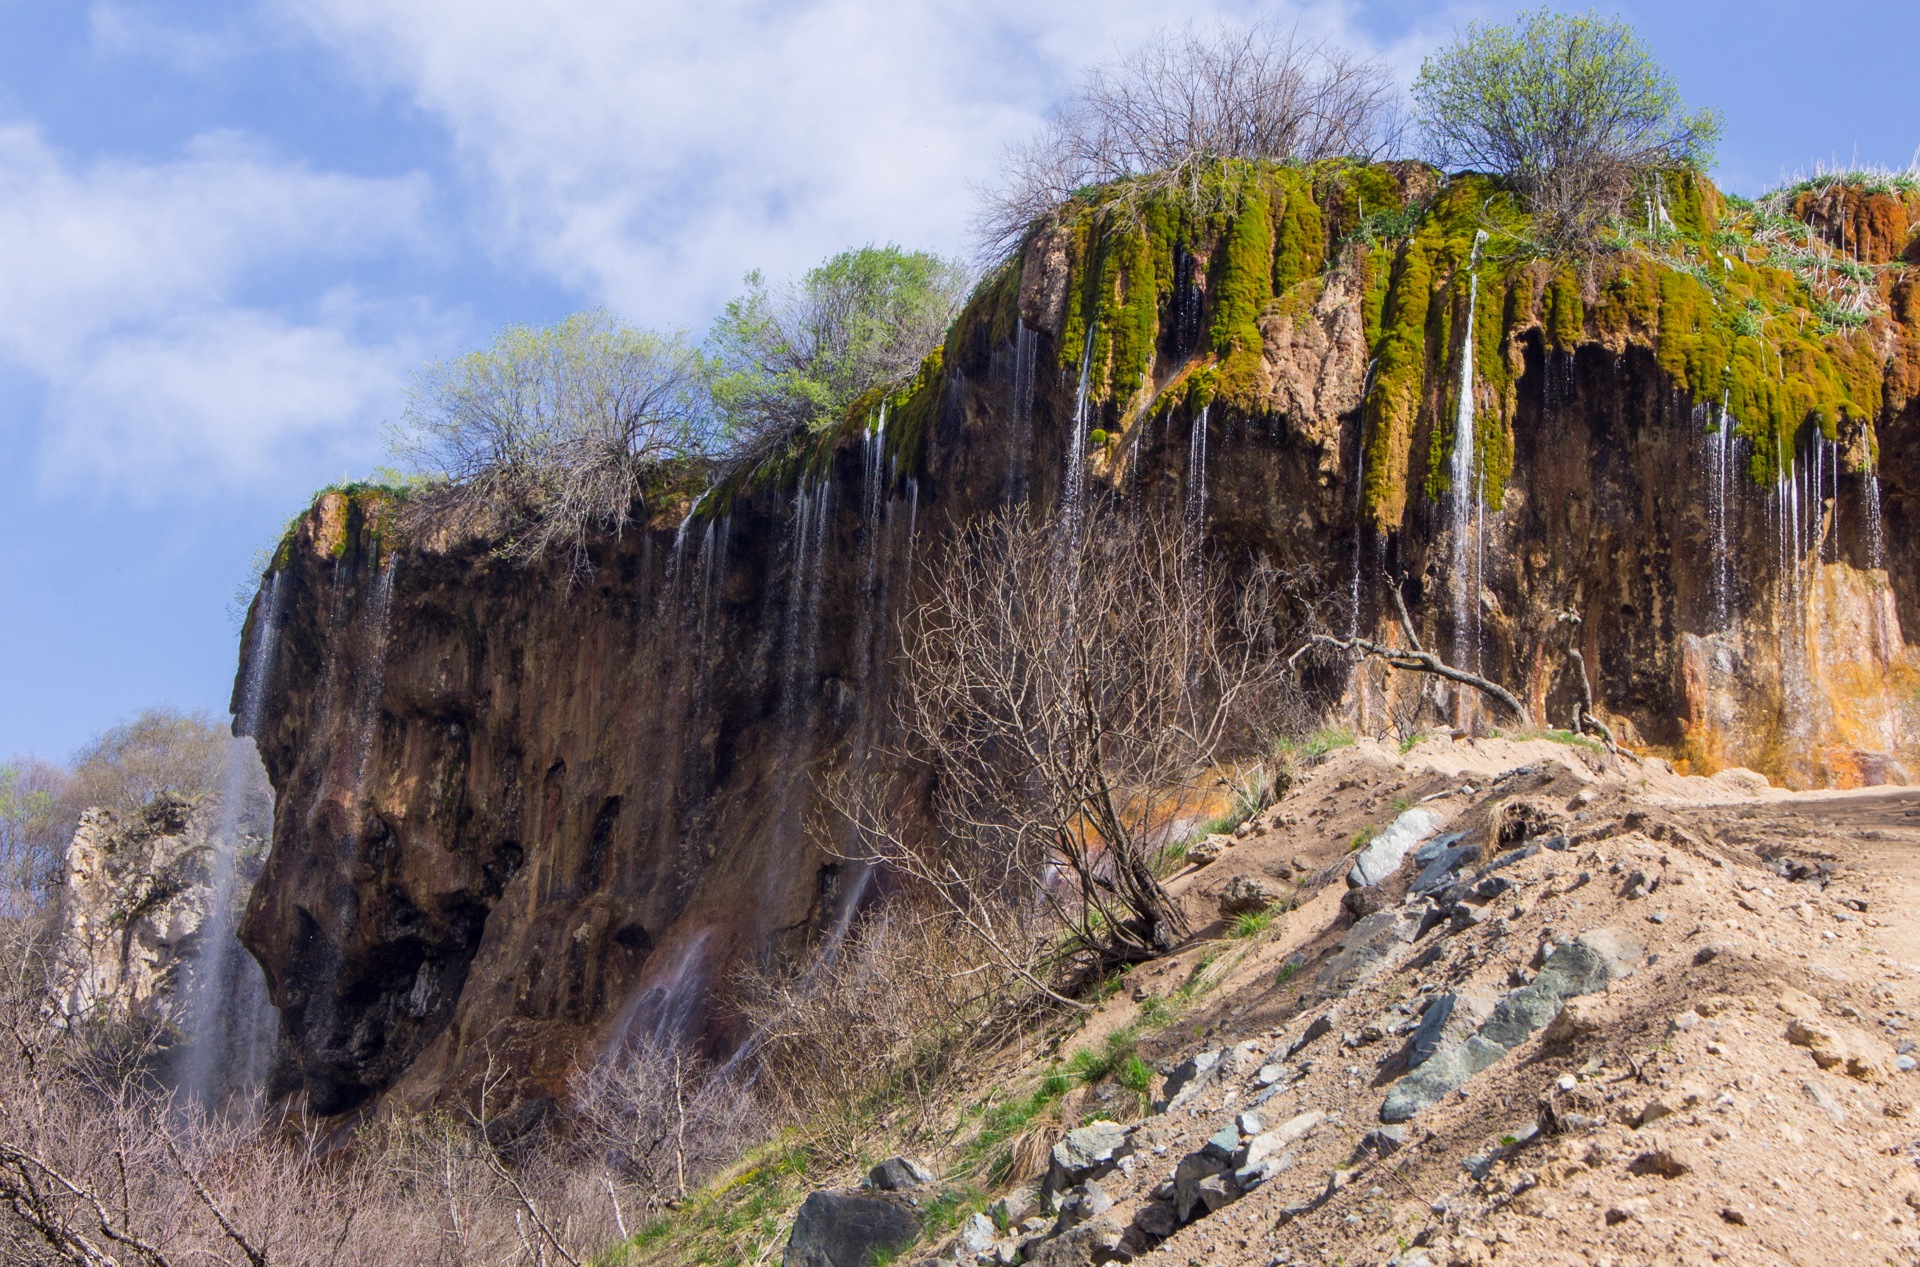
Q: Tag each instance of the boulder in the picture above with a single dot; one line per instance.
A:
(1094, 1241)
(1086, 1153)
(1580, 967)
(1382, 855)
(898, 1174)
(1189, 1078)
(1209, 849)
(848, 1229)
(1248, 895)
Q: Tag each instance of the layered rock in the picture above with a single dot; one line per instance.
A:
(524, 814)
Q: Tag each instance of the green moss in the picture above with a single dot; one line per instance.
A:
(1136, 323)
(1301, 247)
(1566, 316)
(1242, 285)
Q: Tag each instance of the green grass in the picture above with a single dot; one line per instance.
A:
(732, 1219)
(1401, 804)
(1360, 839)
(1318, 744)
(1253, 923)
(1288, 971)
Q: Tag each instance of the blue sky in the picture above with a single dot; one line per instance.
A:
(230, 230)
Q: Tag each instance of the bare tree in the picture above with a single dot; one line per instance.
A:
(1069, 692)
(557, 429)
(1414, 658)
(1188, 97)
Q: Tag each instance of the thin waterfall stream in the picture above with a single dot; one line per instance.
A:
(229, 1021)
(1464, 494)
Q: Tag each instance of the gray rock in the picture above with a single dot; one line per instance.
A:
(1582, 966)
(1281, 1137)
(1092, 1242)
(847, 1229)
(1248, 895)
(1218, 1190)
(899, 1174)
(976, 1235)
(1256, 1173)
(1222, 1144)
(1081, 1204)
(1155, 1220)
(1384, 1140)
(1440, 859)
(1085, 1153)
(1368, 948)
(1209, 849)
(1270, 1074)
(1187, 1177)
(1321, 1026)
(1382, 855)
(1189, 1078)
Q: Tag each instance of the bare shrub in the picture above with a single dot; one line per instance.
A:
(880, 1016)
(556, 430)
(649, 1123)
(1070, 693)
(1186, 98)
(32, 823)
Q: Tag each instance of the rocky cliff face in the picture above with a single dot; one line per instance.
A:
(521, 818)
(133, 903)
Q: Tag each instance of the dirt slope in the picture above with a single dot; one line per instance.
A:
(1723, 1084)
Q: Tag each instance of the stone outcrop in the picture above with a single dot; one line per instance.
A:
(524, 813)
(135, 895)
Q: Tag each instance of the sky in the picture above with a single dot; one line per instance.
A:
(231, 230)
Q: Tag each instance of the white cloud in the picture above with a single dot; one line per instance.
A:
(128, 297)
(648, 153)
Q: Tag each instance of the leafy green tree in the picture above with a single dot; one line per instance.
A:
(1572, 109)
(559, 427)
(31, 818)
(791, 358)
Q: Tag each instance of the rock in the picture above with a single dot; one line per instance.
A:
(1653, 1112)
(1189, 1078)
(847, 1229)
(1270, 1074)
(1209, 850)
(899, 1174)
(1249, 1123)
(1440, 860)
(1192, 1170)
(1449, 1018)
(1085, 1153)
(1320, 1027)
(1248, 895)
(1669, 1161)
(1155, 1220)
(1382, 855)
(1825, 1103)
(1368, 948)
(1015, 1206)
(976, 1235)
(1384, 1140)
(1579, 1020)
(1089, 1243)
(1288, 1133)
(1633, 1210)
(1836, 1046)
(1218, 1190)
(1081, 1204)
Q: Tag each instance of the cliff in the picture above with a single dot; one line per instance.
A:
(521, 817)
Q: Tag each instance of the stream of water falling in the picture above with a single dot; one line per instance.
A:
(1197, 482)
(1026, 352)
(1876, 539)
(1721, 487)
(1073, 496)
(228, 1027)
(373, 680)
(1464, 495)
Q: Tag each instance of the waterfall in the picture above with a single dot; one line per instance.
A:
(373, 681)
(875, 491)
(1466, 505)
(1876, 540)
(1722, 483)
(228, 1025)
(1197, 482)
(1072, 505)
(1026, 351)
